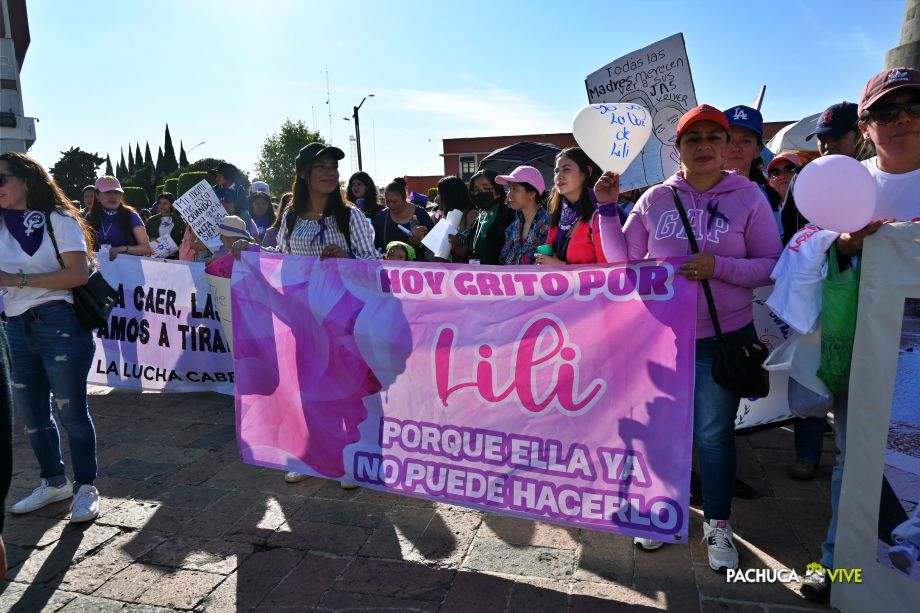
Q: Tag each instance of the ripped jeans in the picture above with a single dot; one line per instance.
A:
(52, 353)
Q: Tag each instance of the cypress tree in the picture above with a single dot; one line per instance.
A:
(108, 166)
(170, 165)
(183, 160)
(159, 166)
(130, 160)
(138, 160)
(122, 171)
(148, 159)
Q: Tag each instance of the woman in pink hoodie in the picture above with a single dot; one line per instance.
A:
(739, 246)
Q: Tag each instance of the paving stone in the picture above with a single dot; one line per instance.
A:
(496, 556)
(517, 531)
(76, 542)
(261, 572)
(336, 600)
(605, 557)
(189, 497)
(538, 597)
(478, 592)
(223, 599)
(396, 535)
(320, 537)
(589, 596)
(345, 512)
(20, 598)
(202, 470)
(91, 604)
(132, 468)
(93, 571)
(208, 555)
(307, 583)
(259, 522)
(181, 589)
(396, 579)
(710, 605)
(32, 530)
(447, 538)
(130, 582)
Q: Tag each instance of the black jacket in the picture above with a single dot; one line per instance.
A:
(152, 226)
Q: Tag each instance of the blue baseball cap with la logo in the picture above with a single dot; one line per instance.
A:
(745, 117)
(836, 120)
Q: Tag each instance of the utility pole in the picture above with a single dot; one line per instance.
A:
(358, 129)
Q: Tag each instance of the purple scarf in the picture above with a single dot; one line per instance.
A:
(27, 227)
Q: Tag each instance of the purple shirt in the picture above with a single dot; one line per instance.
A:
(109, 233)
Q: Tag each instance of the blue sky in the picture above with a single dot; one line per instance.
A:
(101, 74)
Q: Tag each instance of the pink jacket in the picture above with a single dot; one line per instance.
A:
(732, 221)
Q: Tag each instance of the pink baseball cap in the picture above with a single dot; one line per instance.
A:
(785, 157)
(524, 174)
(108, 184)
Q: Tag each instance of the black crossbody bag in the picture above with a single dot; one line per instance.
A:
(92, 302)
(737, 364)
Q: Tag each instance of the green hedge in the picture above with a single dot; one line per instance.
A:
(188, 180)
(172, 186)
(136, 197)
(160, 190)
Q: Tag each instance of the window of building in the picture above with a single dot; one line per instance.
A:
(467, 166)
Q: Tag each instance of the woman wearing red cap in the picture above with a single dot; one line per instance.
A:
(739, 247)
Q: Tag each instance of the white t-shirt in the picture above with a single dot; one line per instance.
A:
(14, 259)
(898, 195)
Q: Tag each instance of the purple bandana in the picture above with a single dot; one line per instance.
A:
(27, 227)
(569, 217)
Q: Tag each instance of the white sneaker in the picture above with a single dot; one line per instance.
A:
(42, 496)
(348, 486)
(647, 544)
(85, 505)
(718, 536)
(295, 477)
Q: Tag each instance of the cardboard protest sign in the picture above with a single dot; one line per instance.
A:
(164, 247)
(201, 210)
(878, 526)
(657, 78)
(383, 375)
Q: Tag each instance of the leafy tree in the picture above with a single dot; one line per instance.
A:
(108, 166)
(170, 165)
(276, 165)
(138, 160)
(183, 159)
(148, 159)
(75, 170)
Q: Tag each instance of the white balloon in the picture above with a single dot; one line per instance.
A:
(837, 193)
(612, 134)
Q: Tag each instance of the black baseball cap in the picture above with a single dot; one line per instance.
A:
(836, 120)
(309, 153)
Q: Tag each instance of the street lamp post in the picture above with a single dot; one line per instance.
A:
(358, 129)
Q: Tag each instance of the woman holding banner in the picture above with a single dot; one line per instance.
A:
(116, 224)
(739, 246)
(167, 222)
(573, 232)
(51, 352)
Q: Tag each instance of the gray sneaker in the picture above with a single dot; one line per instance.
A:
(295, 477)
(719, 539)
(85, 505)
(647, 543)
(42, 496)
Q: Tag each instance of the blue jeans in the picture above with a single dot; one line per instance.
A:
(53, 353)
(808, 434)
(840, 438)
(714, 411)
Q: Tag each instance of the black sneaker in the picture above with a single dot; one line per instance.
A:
(816, 587)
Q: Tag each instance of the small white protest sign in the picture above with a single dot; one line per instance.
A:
(201, 210)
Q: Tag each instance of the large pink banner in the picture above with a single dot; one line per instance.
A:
(558, 394)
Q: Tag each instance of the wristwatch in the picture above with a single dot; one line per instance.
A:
(23, 279)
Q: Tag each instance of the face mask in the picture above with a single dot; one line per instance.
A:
(484, 200)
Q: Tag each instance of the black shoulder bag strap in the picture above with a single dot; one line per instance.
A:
(691, 236)
(57, 252)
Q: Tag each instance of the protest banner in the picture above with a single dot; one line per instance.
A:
(164, 247)
(657, 78)
(164, 333)
(878, 527)
(555, 394)
(201, 210)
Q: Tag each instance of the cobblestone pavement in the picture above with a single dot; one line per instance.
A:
(186, 526)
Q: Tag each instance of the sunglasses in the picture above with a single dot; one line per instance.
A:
(889, 113)
(785, 170)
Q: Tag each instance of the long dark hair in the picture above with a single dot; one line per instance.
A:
(585, 206)
(453, 194)
(300, 204)
(173, 212)
(371, 206)
(122, 220)
(44, 195)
